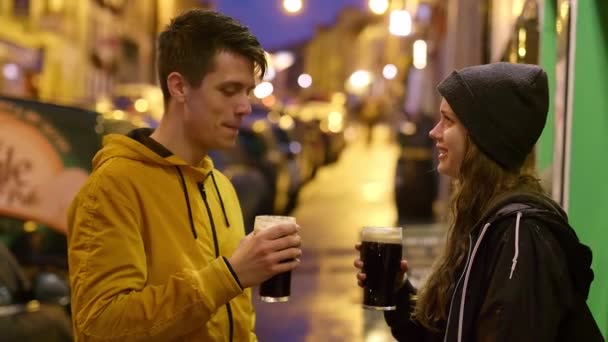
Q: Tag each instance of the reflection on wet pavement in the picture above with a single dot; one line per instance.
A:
(325, 301)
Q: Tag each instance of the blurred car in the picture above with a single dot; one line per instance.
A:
(259, 148)
(41, 251)
(25, 315)
(34, 286)
(312, 154)
(288, 143)
(328, 119)
(261, 167)
(140, 103)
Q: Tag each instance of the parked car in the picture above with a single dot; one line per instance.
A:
(328, 120)
(289, 144)
(259, 148)
(25, 313)
(270, 163)
(41, 250)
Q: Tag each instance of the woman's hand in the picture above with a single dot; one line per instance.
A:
(359, 265)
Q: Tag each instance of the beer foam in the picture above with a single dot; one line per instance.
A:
(381, 234)
(267, 221)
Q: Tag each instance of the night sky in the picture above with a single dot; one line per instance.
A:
(274, 28)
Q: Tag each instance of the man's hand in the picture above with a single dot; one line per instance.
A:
(260, 254)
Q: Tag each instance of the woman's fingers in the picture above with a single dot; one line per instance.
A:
(361, 279)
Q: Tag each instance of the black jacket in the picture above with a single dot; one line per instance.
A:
(526, 278)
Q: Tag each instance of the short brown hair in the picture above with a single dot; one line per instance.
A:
(191, 41)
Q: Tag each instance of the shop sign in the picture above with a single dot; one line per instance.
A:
(45, 155)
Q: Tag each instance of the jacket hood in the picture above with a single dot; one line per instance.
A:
(130, 147)
(542, 208)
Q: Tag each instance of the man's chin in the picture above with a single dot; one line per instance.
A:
(227, 145)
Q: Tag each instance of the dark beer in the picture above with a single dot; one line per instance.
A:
(278, 288)
(381, 254)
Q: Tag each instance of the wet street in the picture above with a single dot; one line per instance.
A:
(325, 304)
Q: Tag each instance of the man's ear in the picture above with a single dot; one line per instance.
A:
(178, 87)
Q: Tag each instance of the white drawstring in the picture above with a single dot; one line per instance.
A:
(470, 265)
(466, 280)
(516, 255)
(445, 336)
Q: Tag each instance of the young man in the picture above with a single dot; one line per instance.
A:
(157, 249)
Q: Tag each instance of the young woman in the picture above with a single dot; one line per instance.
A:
(512, 268)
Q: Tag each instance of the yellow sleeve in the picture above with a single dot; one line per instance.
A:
(107, 260)
(252, 336)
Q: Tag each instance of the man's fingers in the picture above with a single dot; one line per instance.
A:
(286, 266)
(287, 254)
(286, 242)
(278, 231)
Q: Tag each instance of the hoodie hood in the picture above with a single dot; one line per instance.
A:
(138, 145)
(542, 208)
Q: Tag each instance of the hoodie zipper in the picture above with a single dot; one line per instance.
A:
(447, 326)
(201, 188)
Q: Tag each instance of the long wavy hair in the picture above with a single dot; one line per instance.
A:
(481, 182)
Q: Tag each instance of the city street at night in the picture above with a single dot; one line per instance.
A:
(325, 304)
(149, 150)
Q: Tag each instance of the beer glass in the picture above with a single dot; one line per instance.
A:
(278, 288)
(381, 255)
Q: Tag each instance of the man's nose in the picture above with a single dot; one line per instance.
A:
(244, 108)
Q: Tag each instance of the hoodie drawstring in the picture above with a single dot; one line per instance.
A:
(516, 255)
(466, 280)
(470, 265)
(217, 190)
(185, 189)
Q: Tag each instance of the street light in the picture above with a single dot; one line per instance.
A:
(378, 6)
(292, 6)
(141, 105)
(419, 54)
(360, 78)
(389, 71)
(359, 81)
(400, 23)
(263, 89)
(304, 80)
(283, 60)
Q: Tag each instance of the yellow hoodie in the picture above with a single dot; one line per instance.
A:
(147, 241)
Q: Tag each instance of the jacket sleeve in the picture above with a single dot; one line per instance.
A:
(252, 336)
(403, 326)
(111, 299)
(529, 287)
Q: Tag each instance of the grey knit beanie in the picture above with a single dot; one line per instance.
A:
(503, 107)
